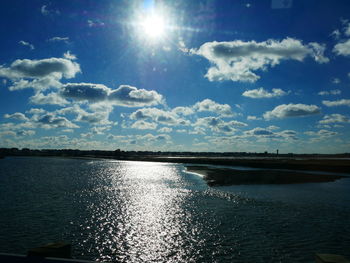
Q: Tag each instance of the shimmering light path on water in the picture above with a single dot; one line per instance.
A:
(155, 212)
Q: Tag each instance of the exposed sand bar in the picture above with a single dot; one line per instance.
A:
(306, 164)
(225, 176)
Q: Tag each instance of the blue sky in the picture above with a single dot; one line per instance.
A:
(176, 75)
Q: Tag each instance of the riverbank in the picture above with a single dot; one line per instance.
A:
(226, 176)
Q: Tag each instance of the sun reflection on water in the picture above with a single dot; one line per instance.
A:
(139, 213)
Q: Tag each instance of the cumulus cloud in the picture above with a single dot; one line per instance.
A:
(334, 118)
(25, 133)
(85, 91)
(16, 116)
(268, 132)
(37, 84)
(330, 92)
(129, 96)
(292, 110)
(259, 132)
(50, 120)
(160, 116)
(98, 116)
(261, 93)
(144, 125)
(165, 130)
(126, 96)
(218, 125)
(212, 106)
(69, 55)
(35, 111)
(24, 43)
(342, 102)
(100, 129)
(253, 118)
(50, 98)
(343, 48)
(238, 60)
(321, 133)
(26, 68)
(183, 111)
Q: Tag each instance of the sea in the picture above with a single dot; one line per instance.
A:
(129, 211)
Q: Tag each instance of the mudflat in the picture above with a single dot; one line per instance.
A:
(226, 176)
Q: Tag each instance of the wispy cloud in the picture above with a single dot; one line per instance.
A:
(27, 44)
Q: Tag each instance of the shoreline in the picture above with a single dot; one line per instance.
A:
(303, 164)
(227, 176)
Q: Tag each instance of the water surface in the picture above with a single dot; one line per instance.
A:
(156, 212)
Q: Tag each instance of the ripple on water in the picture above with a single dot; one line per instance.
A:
(154, 212)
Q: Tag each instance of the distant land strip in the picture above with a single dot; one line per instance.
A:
(226, 176)
(335, 163)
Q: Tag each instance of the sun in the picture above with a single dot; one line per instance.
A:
(153, 26)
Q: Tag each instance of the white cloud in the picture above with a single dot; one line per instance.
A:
(26, 68)
(335, 34)
(85, 91)
(259, 132)
(334, 118)
(100, 118)
(35, 111)
(69, 55)
(183, 111)
(330, 92)
(238, 60)
(292, 110)
(59, 39)
(95, 23)
(17, 116)
(45, 10)
(212, 106)
(51, 98)
(126, 96)
(269, 133)
(321, 133)
(336, 81)
(218, 125)
(253, 118)
(342, 102)
(144, 125)
(37, 84)
(100, 129)
(160, 116)
(165, 130)
(129, 96)
(261, 93)
(343, 48)
(24, 43)
(51, 120)
(347, 29)
(25, 133)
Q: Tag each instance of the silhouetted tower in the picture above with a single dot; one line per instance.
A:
(277, 152)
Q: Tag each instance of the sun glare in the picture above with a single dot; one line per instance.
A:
(153, 26)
